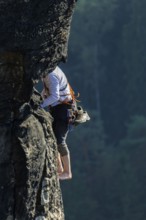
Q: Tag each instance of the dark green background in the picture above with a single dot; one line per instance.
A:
(107, 65)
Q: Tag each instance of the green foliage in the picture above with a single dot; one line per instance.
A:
(107, 64)
(86, 143)
(108, 182)
(133, 146)
(107, 60)
(137, 127)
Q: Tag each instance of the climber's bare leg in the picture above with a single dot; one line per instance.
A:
(66, 174)
(60, 167)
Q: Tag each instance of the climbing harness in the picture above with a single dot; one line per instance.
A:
(75, 114)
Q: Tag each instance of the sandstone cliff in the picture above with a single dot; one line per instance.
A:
(33, 40)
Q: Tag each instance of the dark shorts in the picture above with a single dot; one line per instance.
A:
(60, 126)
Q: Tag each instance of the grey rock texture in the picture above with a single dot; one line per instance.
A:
(38, 29)
(33, 40)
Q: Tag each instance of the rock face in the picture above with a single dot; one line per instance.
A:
(38, 29)
(33, 40)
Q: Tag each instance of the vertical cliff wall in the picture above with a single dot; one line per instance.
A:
(33, 40)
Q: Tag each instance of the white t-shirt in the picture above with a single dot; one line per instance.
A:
(58, 87)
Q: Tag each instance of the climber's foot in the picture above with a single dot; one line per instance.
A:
(65, 176)
(60, 170)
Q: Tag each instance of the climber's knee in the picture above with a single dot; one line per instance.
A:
(63, 149)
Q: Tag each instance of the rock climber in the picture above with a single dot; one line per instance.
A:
(58, 97)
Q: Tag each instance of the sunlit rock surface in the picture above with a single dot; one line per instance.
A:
(33, 40)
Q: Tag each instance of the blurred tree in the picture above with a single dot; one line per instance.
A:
(107, 60)
(87, 143)
(107, 66)
(134, 178)
(134, 41)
